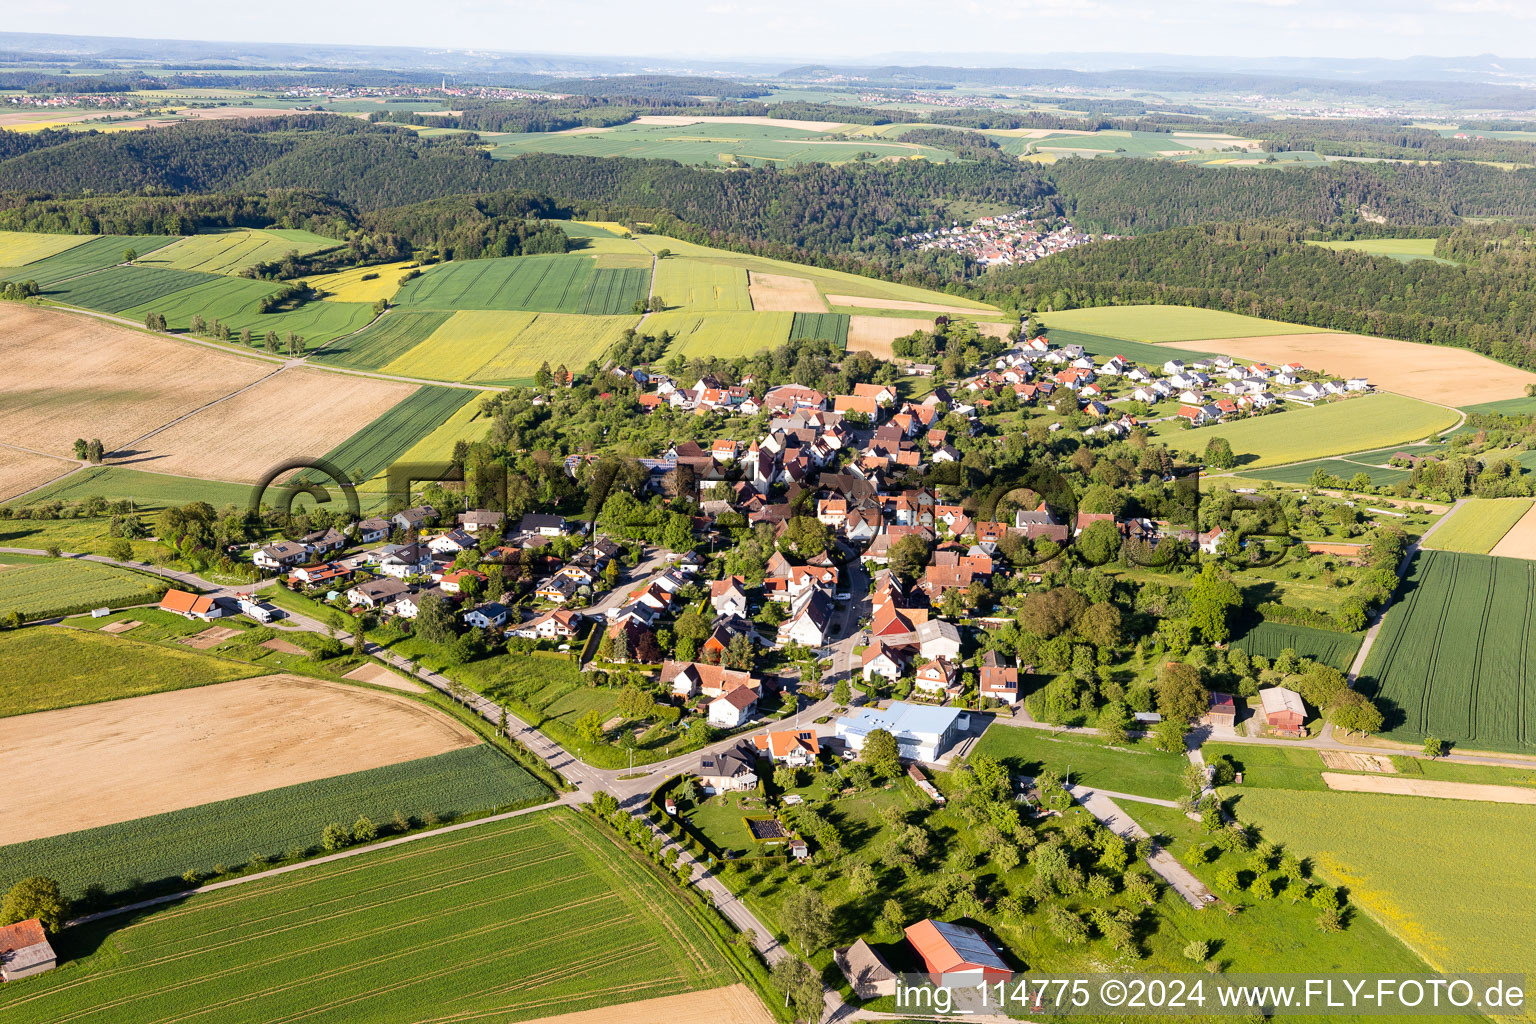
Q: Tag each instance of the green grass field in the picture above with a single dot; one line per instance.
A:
(695, 284)
(1455, 654)
(1285, 767)
(720, 334)
(537, 915)
(1296, 434)
(1136, 351)
(1413, 865)
(229, 252)
(234, 301)
(1345, 469)
(96, 254)
(461, 344)
(1268, 639)
(1404, 250)
(118, 288)
(1168, 323)
(544, 284)
(1507, 407)
(42, 588)
(384, 340)
(372, 449)
(1129, 768)
(115, 483)
(831, 327)
(160, 848)
(560, 339)
(47, 667)
(18, 248)
(1478, 525)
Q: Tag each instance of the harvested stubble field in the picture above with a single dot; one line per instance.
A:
(783, 294)
(546, 284)
(1455, 655)
(229, 252)
(374, 448)
(461, 344)
(1439, 789)
(1434, 373)
(734, 1004)
(43, 668)
(21, 471)
(1170, 323)
(70, 376)
(1406, 860)
(233, 738)
(386, 339)
(524, 918)
(696, 284)
(296, 412)
(61, 586)
(18, 248)
(1479, 525)
(378, 675)
(1520, 541)
(874, 334)
(720, 334)
(272, 822)
(100, 252)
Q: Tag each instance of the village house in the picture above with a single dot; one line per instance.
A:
(559, 624)
(376, 593)
(481, 520)
(883, 660)
(797, 748)
(998, 681)
(733, 708)
(688, 678)
(486, 616)
(728, 596)
(451, 543)
(281, 555)
(414, 518)
(372, 530)
(938, 678)
(541, 524)
(727, 771)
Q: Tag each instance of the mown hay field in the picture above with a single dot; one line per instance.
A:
(695, 284)
(96, 254)
(48, 667)
(234, 738)
(18, 248)
(1479, 524)
(362, 284)
(1455, 655)
(874, 334)
(524, 918)
(375, 447)
(1412, 865)
(1168, 323)
(1268, 639)
(40, 589)
(460, 345)
(1334, 428)
(386, 339)
(545, 284)
(720, 334)
(784, 294)
(270, 823)
(294, 413)
(69, 376)
(229, 252)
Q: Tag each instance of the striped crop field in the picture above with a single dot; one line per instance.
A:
(1479, 524)
(229, 252)
(559, 339)
(386, 339)
(118, 288)
(374, 448)
(1268, 639)
(533, 916)
(831, 327)
(462, 344)
(1455, 657)
(468, 424)
(163, 846)
(696, 284)
(720, 334)
(544, 284)
(97, 254)
(18, 248)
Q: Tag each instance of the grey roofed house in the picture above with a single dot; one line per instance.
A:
(480, 519)
(378, 592)
(737, 763)
(413, 518)
(24, 950)
(539, 522)
(868, 975)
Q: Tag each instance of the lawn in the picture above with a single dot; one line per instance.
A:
(47, 667)
(1439, 874)
(362, 284)
(104, 251)
(1268, 639)
(461, 345)
(546, 284)
(1169, 323)
(1132, 767)
(375, 447)
(118, 288)
(18, 248)
(559, 339)
(1404, 250)
(469, 923)
(1479, 524)
(1455, 653)
(1296, 434)
(696, 284)
(229, 252)
(42, 588)
(387, 338)
(726, 335)
(278, 823)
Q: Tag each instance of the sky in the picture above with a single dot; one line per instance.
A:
(819, 29)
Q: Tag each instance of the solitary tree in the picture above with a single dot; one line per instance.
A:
(38, 897)
(1434, 747)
